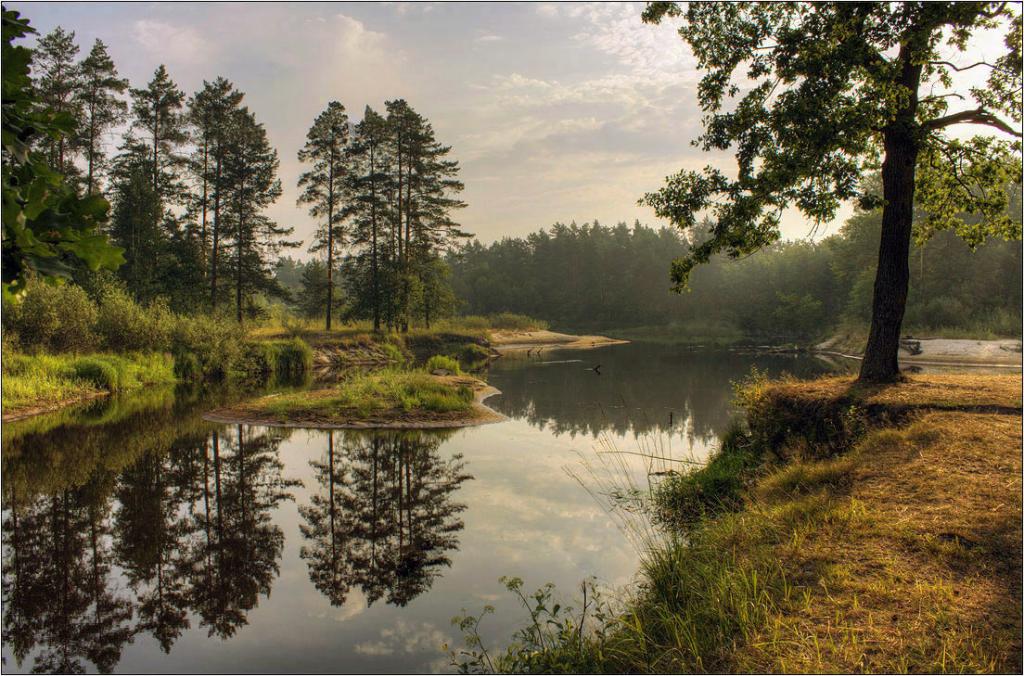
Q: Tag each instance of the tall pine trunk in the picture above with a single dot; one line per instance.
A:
(330, 238)
(215, 250)
(373, 247)
(892, 279)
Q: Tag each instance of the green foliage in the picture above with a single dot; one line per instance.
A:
(788, 292)
(822, 100)
(125, 326)
(282, 360)
(206, 346)
(685, 500)
(442, 362)
(54, 317)
(43, 379)
(46, 225)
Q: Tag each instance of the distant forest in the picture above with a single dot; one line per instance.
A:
(596, 277)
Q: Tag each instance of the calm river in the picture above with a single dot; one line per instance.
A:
(139, 538)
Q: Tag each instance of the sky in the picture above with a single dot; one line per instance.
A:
(555, 112)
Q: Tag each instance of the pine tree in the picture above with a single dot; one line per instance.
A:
(427, 186)
(157, 112)
(209, 111)
(368, 184)
(326, 149)
(250, 185)
(313, 294)
(135, 224)
(102, 108)
(57, 79)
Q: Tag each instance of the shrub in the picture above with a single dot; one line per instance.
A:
(214, 344)
(294, 358)
(125, 326)
(261, 361)
(51, 317)
(442, 362)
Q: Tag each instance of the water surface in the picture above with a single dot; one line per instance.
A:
(139, 538)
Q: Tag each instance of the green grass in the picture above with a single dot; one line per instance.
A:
(442, 362)
(366, 393)
(45, 379)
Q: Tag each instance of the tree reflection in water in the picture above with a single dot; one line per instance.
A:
(383, 519)
(157, 538)
(189, 526)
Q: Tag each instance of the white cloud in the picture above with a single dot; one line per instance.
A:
(169, 42)
(547, 9)
(405, 637)
(489, 37)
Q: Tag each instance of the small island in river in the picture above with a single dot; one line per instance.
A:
(386, 399)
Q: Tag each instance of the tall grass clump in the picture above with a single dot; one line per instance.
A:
(440, 362)
(262, 361)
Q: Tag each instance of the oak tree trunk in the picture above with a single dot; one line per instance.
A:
(892, 278)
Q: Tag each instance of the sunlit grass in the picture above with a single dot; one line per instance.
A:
(44, 379)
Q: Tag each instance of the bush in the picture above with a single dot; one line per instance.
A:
(54, 318)
(213, 343)
(125, 326)
(261, 361)
(294, 358)
(442, 362)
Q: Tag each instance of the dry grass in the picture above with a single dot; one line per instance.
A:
(938, 391)
(905, 553)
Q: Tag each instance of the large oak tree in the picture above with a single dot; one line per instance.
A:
(813, 96)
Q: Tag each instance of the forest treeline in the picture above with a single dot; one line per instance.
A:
(598, 277)
(189, 178)
(593, 277)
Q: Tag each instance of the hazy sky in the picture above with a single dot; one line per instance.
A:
(555, 112)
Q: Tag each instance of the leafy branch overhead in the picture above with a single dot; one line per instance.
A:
(45, 222)
(805, 95)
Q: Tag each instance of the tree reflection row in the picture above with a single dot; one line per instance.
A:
(185, 535)
(383, 519)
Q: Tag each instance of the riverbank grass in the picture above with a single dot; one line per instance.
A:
(844, 529)
(45, 380)
(387, 398)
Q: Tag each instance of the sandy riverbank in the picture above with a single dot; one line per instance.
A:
(535, 341)
(944, 351)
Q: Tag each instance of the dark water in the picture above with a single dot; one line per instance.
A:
(139, 538)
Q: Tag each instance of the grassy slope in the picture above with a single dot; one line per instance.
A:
(900, 552)
(848, 529)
